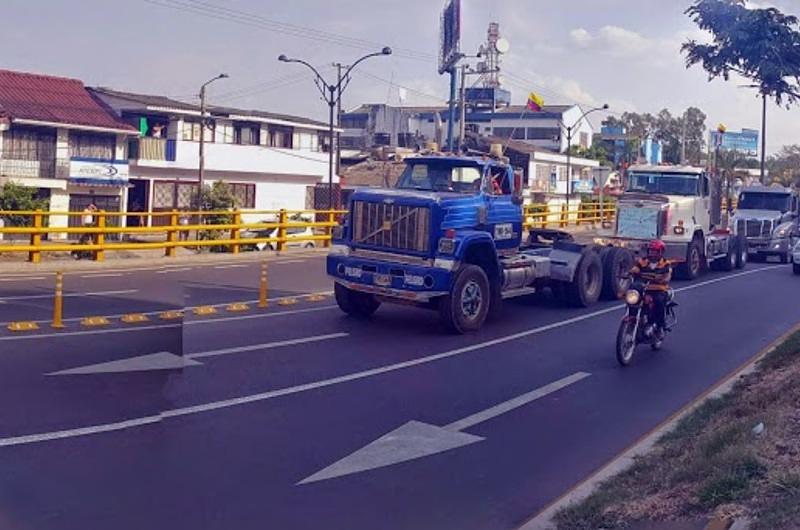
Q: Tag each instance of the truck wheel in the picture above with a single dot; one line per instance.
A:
(496, 302)
(585, 288)
(355, 303)
(728, 263)
(786, 257)
(465, 308)
(741, 254)
(617, 264)
(693, 266)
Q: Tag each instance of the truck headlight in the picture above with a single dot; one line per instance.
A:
(632, 297)
(339, 250)
(679, 230)
(337, 232)
(447, 246)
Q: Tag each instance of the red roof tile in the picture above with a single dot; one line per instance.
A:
(53, 99)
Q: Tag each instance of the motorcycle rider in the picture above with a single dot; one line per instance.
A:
(656, 272)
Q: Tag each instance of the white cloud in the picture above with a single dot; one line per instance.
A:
(580, 37)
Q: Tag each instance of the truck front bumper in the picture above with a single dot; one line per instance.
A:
(767, 247)
(402, 281)
(675, 250)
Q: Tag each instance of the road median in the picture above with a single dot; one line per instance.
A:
(734, 457)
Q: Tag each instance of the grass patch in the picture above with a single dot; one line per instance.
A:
(712, 462)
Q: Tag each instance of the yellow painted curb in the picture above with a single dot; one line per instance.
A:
(134, 318)
(93, 322)
(171, 315)
(205, 310)
(287, 301)
(23, 326)
(237, 308)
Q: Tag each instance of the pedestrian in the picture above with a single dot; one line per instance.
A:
(183, 221)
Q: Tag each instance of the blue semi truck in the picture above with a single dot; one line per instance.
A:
(450, 237)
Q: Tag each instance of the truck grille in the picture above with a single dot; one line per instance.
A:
(755, 228)
(391, 226)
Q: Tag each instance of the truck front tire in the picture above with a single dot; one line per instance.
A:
(587, 284)
(465, 309)
(693, 266)
(355, 303)
(741, 255)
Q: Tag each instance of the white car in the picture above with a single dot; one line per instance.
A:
(296, 237)
(796, 257)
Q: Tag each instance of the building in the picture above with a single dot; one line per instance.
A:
(271, 161)
(60, 140)
(379, 124)
(745, 142)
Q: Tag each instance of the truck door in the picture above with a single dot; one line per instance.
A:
(702, 208)
(504, 217)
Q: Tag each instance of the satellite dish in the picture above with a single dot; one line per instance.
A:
(502, 45)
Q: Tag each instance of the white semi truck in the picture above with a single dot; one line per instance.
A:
(673, 204)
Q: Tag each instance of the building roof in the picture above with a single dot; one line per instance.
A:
(54, 100)
(162, 102)
(513, 109)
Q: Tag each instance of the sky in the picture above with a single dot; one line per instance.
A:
(622, 52)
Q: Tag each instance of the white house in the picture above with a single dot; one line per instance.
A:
(270, 160)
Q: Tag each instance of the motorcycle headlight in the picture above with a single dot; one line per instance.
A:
(632, 297)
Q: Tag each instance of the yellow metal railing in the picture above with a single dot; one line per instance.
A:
(228, 233)
(545, 216)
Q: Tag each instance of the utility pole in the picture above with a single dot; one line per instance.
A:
(339, 67)
(763, 138)
(451, 114)
(683, 139)
(203, 125)
(462, 126)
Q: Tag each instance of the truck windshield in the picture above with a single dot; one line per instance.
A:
(429, 176)
(664, 183)
(778, 202)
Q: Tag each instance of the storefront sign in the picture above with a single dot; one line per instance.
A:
(115, 172)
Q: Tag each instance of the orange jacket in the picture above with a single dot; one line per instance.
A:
(658, 274)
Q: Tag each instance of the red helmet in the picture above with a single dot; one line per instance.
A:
(656, 249)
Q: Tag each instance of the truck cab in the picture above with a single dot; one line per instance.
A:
(449, 237)
(673, 203)
(765, 217)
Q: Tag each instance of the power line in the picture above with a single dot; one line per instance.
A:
(392, 83)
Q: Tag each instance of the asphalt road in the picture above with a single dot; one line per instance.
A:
(273, 421)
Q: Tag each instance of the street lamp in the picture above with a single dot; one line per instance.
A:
(569, 147)
(332, 94)
(763, 130)
(203, 125)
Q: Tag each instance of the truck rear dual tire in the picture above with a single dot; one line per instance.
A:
(355, 303)
(729, 261)
(465, 309)
(587, 284)
(617, 263)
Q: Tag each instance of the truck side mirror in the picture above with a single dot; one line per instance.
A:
(516, 193)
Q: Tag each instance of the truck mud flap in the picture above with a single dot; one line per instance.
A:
(564, 260)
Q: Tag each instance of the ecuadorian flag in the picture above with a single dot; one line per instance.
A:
(535, 102)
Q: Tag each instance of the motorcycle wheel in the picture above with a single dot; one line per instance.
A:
(626, 342)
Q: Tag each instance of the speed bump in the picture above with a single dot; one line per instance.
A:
(134, 318)
(205, 310)
(287, 301)
(23, 326)
(316, 297)
(94, 322)
(171, 315)
(237, 308)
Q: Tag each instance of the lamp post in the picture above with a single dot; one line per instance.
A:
(763, 175)
(569, 147)
(332, 94)
(203, 125)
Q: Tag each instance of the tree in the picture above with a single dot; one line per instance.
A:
(217, 198)
(596, 152)
(762, 45)
(784, 166)
(16, 197)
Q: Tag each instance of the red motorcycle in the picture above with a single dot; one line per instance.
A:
(638, 326)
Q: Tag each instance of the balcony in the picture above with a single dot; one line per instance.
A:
(28, 168)
(153, 149)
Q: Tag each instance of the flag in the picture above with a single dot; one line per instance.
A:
(535, 102)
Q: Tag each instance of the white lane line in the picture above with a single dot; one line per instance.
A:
(167, 271)
(266, 346)
(264, 396)
(107, 275)
(88, 332)
(22, 279)
(239, 266)
(67, 295)
(290, 261)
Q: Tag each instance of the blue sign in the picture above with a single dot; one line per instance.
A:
(450, 45)
(745, 142)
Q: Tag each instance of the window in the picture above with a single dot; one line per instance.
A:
(585, 140)
(499, 183)
(191, 131)
(246, 134)
(245, 195)
(93, 146)
(354, 121)
(664, 183)
(431, 176)
(225, 133)
(23, 143)
(280, 136)
(552, 134)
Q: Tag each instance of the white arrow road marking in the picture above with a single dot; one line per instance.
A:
(142, 363)
(170, 361)
(417, 440)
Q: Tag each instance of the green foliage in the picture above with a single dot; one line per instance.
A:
(596, 152)
(16, 197)
(784, 166)
(759, 44)
(217, 198)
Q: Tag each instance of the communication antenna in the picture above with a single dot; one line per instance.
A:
(491, 53)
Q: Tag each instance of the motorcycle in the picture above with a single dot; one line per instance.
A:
(82, 254)
(638, 326)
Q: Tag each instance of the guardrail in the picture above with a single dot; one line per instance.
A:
(211, 229)
(545, 216)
